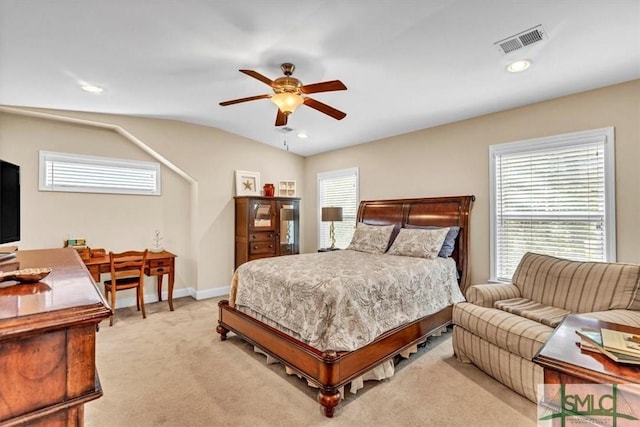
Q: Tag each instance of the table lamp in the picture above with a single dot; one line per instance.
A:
(332, 214)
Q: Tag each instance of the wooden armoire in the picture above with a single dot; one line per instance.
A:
(266, 227)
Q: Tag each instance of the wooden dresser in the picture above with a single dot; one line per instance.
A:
(266, 227)
(47, 341)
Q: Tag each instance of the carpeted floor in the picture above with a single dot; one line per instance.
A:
(171, 369)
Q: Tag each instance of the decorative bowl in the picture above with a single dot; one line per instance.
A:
(27, 275)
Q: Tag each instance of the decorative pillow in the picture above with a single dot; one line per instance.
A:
(373, 239)
(449, 242)
(419, 242)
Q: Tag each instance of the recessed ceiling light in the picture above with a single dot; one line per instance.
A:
(87, 87)
(302, 135)
(518, 66)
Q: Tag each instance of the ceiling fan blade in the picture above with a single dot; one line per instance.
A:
(257, 75)
(324, 108)
(250, 98)
(323, 87)
(281, 118)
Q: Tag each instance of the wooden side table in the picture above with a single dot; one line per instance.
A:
(564, 362)
(585, 384)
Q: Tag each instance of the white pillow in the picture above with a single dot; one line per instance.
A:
(372, 239)
(419, 242)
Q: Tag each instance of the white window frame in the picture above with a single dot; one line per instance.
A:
(92, 168)
(555, 142)
(328, 175)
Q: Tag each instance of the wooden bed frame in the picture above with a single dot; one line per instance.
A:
(331, 370)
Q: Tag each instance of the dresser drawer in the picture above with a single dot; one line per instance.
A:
(262, 237)
(262, 248)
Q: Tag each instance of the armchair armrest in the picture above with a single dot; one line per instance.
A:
(486, 295)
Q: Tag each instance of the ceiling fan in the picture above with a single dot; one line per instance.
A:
(289, 94)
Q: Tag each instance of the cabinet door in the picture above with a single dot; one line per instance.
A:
(262, 215)
(289, 218)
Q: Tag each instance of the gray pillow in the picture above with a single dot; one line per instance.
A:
(449, 241)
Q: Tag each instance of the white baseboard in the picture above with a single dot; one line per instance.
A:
(178, 293)
(210, 293)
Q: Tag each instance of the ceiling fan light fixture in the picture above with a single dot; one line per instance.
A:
(289, 93)
(287, 102)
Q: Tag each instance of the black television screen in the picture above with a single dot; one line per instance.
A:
(9, 202)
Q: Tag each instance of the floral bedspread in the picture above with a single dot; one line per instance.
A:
(343, 300)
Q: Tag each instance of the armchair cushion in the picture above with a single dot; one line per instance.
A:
(545, 314)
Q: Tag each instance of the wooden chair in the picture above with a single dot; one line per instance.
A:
(127, 272)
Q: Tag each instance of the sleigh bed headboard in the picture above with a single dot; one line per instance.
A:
(431, 211)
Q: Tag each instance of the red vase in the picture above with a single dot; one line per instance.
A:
(269, 190)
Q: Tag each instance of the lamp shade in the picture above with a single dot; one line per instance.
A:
(287, 102)
(332, 214)
(286, 214)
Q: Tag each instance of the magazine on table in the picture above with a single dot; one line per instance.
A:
(621, 342)
(592, 341)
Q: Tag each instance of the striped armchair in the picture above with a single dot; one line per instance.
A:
(502, 326)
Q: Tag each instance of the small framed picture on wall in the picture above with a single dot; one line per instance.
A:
(247, 183)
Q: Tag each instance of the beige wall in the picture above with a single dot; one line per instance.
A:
(196, 220)
(453, 160)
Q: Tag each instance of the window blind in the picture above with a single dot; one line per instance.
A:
(340, 189)
(552, 201)
(78, 173)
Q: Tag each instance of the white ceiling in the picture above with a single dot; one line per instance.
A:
(408, 65)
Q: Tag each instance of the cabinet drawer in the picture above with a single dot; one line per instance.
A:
(154, 263)
(261, 237)
(155, 267)
(156, 271)
(262, 247)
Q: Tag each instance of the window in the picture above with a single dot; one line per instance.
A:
(338, 188)
(555, 196)
(89, 174)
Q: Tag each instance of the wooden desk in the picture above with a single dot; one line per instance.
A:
(565, 363)
(158, 264)
(47, 342)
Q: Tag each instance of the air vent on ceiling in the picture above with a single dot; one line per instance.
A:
(520, 40)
